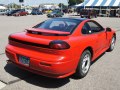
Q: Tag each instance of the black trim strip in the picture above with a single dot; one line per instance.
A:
(29, 43)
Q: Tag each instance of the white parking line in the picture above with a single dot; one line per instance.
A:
(2, 85)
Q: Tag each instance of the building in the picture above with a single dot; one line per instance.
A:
(99, 3)
(2, 7)
(102, 6)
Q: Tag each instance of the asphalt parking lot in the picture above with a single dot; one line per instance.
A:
(103, 75)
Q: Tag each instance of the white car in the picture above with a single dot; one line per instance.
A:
(3, 12)
(118, 13)
(28, 10)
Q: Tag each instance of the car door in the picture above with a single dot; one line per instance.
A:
(96, 33)
(22, 12)
(57, 13)
(89, 38)
(97, 29)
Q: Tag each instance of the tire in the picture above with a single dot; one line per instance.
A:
(54, 16)
(112, 44)
(83, 65)
(60, 15)
(89, 17)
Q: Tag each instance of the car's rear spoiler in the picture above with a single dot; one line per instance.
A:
(45, 31)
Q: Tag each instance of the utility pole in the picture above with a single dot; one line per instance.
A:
(21, 3)
(68, 2)
(61, 7)
(84, 4)
(75, 2)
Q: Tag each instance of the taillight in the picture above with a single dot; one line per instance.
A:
(58, 44)
(9, 37)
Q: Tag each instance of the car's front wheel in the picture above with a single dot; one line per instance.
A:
(60, 15)
(84, 64)
(112, 44)
(18, 15)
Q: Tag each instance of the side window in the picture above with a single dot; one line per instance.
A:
(86, 29)
(95, 27)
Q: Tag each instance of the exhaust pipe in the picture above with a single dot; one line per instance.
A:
(9, 61)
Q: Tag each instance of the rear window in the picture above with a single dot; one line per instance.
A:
(64, 25)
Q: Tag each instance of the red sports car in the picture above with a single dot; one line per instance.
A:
(60, 47)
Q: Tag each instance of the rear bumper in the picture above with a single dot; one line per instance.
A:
(15, 15)
(56, 69)
(49, 15)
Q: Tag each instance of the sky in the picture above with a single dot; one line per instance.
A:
(33, 2)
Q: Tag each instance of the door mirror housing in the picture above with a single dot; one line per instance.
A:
(108, 29)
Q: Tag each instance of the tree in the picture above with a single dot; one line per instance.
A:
(62, 6)
(13, 5)
(74, 2)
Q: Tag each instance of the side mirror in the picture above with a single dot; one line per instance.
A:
(108, 29)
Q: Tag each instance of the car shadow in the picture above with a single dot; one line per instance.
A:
(74, 15)
(38, 80)
(93, 62)
(34, 79)
(46, 82)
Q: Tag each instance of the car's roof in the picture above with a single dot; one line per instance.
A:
(73, 18)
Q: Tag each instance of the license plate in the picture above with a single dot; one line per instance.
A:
(24, 60)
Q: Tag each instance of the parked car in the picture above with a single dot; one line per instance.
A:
(84, 13)
(118, 13)
(36, 12)
(60, 47)
(29, 11)
(3, 11)
(11, 12)
(48, 11)
(21, 13)
(55, 13)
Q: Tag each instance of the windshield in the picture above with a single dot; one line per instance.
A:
(53, 12)
(59, 24)
(14, 11)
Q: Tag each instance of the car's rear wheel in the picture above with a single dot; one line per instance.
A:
(112, 44)
(84, 64)
(54, 16)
